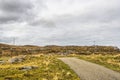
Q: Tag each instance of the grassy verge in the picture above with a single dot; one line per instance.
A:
(49, 68)
(109, 61)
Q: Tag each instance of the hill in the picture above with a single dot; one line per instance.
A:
(11, 50)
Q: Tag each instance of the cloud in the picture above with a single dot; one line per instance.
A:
(15, 5)
(63, 22)
(15, 10)
(43, 23)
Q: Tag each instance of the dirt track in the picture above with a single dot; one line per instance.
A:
(90, 71)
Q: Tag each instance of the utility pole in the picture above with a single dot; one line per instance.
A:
(12, 49)
(94, 45)
(14, 40)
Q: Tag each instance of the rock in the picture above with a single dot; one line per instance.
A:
(13, 60)
(2, 62)
(28, 67)
(22, 57)
(7, 78)
(16, 59)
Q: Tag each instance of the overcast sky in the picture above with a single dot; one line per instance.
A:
(60, 22)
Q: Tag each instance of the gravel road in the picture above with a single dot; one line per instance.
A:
(90, 71)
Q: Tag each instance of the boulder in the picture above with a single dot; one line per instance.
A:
(16, 59)
(2, 62)
(28, 67)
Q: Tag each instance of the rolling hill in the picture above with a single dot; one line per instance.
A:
(11, 50)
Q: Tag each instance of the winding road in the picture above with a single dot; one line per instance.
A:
(90, 71)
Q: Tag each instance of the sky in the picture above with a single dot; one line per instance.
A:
(60, 22)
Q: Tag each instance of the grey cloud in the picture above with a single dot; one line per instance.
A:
(4, 19)
(15, 10)
(15, 5)
(43, 23)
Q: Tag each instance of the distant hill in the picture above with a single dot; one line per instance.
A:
(10, 50)
(4, 45)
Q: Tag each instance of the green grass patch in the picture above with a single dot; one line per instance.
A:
(49, 68)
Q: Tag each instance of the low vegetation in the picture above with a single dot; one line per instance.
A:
(41, 63)
(47, 67)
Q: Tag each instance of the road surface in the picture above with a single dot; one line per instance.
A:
(90, 71)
